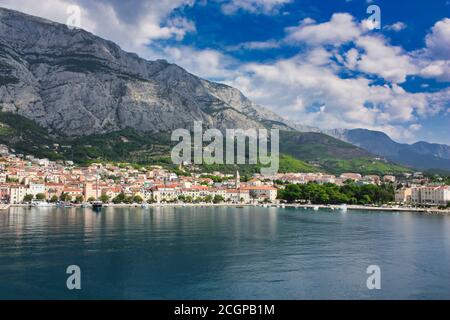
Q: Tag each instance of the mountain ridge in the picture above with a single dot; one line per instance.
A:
(421, 155)
(73, 81)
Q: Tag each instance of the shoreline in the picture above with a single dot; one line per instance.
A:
(373, 208)
(305, 206)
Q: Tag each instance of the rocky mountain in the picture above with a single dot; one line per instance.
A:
(421, 155)
(73, 82)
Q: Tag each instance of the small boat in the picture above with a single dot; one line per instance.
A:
(144, 206)
(63, 204)
(41, 204)
(343, 208)
(97, 206)
(316, 208)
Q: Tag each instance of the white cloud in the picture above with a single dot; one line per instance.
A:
(254, 6)
(398, 26)
(55, 10)
(379, 58)
(150, 22)
(438, 69)
(309, 90)
(415, 127)
(434, 59)
(370, 53)
(210, 64)
(340, 29)
(255, 45)
(438, 41)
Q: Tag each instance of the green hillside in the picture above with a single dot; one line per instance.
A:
(300, 152)
(333, 155)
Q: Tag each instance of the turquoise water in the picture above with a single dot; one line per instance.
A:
(222, 253)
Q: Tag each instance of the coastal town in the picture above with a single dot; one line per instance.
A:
(25, 179)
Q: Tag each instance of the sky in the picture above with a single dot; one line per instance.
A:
(322, 63)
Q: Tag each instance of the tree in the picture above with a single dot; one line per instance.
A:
(120, 198)
(54, 198)
(65, 197)
(137, 199)
(291, 193)
(333, 194)
(218, 199)
(208, 199)
(40, 196)
(79, 199)
(28, 198)
(366, 199)
(104, 198)
(91, 199)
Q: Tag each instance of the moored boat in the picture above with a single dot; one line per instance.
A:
(41, 204)
(97, 205)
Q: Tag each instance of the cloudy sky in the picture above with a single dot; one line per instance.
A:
(320, 63)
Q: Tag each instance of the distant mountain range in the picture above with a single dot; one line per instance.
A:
(62, 86)
(421, 155)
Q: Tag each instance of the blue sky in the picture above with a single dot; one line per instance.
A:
(314, 62)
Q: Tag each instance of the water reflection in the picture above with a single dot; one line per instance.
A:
(222, 253)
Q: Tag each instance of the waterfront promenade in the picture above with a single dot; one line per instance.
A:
(390, 208)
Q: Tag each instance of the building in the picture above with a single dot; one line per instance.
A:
(350, 176)
(374, 179)
(431, 195)
(91, 190)
(403, 195)
(73, 192)
(237, 182)
(53, 190)
(165, 194)
(262, 193)
(389, 178)
(237, 196)
(36, 188)
(17, 193)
